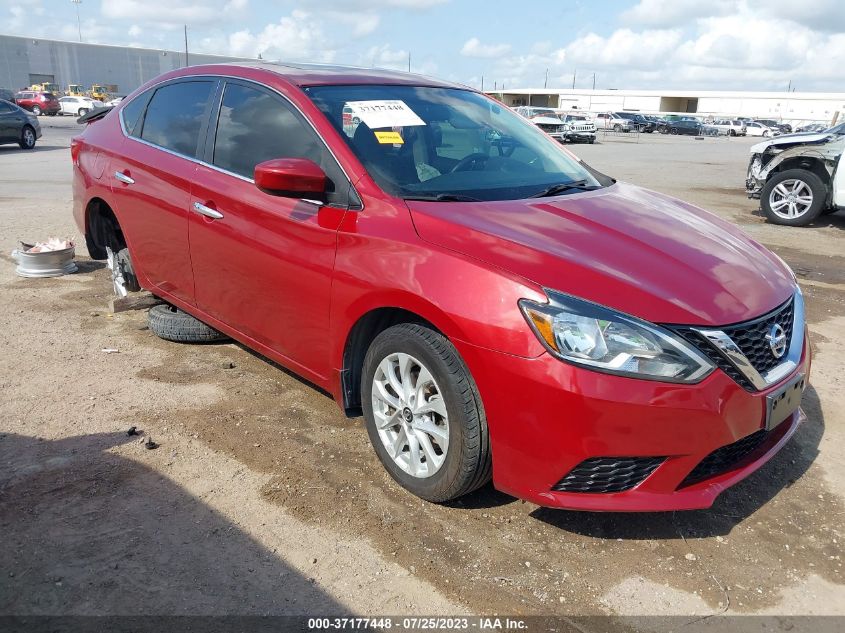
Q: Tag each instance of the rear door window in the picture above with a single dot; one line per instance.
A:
(175, 116)
(131, 113)
(255, 125)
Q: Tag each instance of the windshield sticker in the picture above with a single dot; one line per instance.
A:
(389, 138)
(385, 113)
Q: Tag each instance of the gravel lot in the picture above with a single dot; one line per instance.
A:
(263, 499)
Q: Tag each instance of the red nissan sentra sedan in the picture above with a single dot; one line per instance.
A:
(493, 306)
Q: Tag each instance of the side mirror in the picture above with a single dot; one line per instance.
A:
(290, 177)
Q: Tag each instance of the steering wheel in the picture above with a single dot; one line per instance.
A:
(505, 146)
(466, 161)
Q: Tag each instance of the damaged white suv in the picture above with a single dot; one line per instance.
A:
(797, 176)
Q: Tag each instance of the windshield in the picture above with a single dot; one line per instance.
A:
(419, 142)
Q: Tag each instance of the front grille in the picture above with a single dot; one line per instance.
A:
(703, 345)
(750, 337)
(549, 128)
(723, 459)
(608, 474)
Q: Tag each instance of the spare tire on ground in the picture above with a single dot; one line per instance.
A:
(171, 324)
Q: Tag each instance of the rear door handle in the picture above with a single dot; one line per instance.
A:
(207, 211)
(119, 175)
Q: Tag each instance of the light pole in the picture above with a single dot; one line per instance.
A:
(78, 22)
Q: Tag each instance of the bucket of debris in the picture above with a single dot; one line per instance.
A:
(52, 258)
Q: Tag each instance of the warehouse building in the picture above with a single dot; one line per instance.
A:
(25, 61)
(783, 106)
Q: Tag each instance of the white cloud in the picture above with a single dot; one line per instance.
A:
(297, 37)
(668, 13)
(369, 5)
(134, 31)
(820, 15)
(474, 48)
(362, 23)
(623, 47)
(727, 44)
(173, 12)
(385, 57)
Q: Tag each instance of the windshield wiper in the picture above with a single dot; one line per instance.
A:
(565, 186)
(443, 197)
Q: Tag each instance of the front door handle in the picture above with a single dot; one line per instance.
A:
(207, 211)
(124, 178)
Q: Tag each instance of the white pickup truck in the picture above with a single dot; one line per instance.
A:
(798, 177)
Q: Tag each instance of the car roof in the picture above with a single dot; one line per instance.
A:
(303, 75)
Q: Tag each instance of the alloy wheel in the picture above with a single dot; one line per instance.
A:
(410, 415)
(791, 199)
(29, 138)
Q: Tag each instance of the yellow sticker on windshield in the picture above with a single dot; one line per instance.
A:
(389, 137)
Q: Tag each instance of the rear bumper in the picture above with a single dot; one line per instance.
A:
(546, 417)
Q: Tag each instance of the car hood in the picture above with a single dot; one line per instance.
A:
(800, 138)
(546, 120)
(624, 247)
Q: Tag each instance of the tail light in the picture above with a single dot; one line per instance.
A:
(75, 148)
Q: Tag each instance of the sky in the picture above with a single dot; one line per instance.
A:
(626, 44)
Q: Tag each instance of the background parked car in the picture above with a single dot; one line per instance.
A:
(612, 121)
(797, 177)
(731, 127)
(18, 126)
(783, 128)
(38, 102)
(115, 101)
(544, 118)
(690, 127)
(813, 127)
(578, 128)
(77, 106)
(638, 121)
(755, 128)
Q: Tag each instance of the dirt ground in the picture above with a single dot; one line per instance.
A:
(263, 499)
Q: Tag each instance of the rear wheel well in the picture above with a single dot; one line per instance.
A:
(102, 229)
(362, 334)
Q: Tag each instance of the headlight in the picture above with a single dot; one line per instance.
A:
(587, 334)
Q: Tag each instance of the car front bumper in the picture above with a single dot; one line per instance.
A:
(580, 137)
(754, 178)
(547, 417)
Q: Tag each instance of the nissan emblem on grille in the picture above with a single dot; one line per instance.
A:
(777, 340)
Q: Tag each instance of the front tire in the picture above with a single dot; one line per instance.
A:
(794, 197)
(27, 140)
(424, 415)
